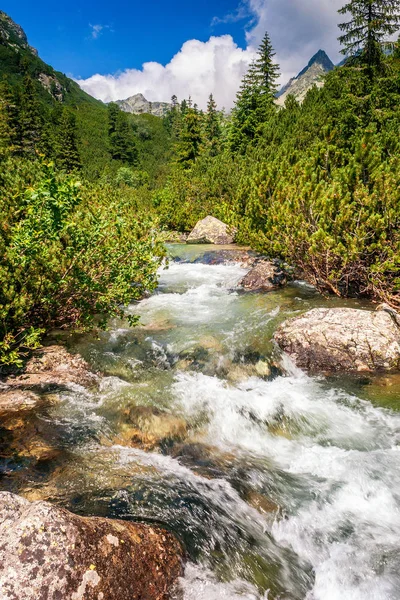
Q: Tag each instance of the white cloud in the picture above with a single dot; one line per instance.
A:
(200, 68)
(98, 30)
(298, 29)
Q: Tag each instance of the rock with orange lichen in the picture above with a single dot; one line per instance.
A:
(48, 553)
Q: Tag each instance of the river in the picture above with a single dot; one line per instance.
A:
(285, 486)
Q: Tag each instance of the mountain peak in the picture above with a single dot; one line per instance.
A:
(311, 75)
(320, 58)
(138, 105)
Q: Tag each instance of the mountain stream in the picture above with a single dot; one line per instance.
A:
(280, 485)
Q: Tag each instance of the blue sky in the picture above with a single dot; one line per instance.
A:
(133, 32)
(117, 48)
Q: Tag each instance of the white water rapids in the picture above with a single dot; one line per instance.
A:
(325, 460)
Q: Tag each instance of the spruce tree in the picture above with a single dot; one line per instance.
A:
(212, 127)
(255, 99)
(8, 119)
(30, 123)
(188, 148)
(372, 21)
(266, 71)
(122, 140)
(113, 112)
(68, 153)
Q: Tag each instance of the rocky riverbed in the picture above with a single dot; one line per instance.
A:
(194, 438)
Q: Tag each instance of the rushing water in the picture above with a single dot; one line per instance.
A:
(286, 486)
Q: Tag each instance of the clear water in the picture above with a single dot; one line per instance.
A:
(286, 487)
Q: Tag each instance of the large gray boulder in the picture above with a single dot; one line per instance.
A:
(342, 339)
(51, 554)
(211, 231)
(264, 276)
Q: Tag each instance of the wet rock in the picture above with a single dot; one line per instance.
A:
(204, 460)
(342, 339)
(209, 342)
(211, 231)
(53, 366)
(264, 276)
(150, 427)
(17, 401)
(240, 256)
(262, 503)
(51, 554)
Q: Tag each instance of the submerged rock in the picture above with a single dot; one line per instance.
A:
(265, 276)
(211, 231)
(53, 366)
(51, 554)
(150, 427)
(342, 339)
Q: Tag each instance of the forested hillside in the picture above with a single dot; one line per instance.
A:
(72, 236)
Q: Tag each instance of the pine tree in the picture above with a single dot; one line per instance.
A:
(266, 71)
(49, 141)
(30, 124)
(8, 120)
(372, 21)
(188, 148)
(255, 99)
(122, 140)
(68, 153)
(113, 112)
(212, 127)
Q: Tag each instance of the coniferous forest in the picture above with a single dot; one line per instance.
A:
(89, 193)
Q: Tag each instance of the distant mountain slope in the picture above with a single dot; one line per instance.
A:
(138, 105)
(312, 74)
(17, 58)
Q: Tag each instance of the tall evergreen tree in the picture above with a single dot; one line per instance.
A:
(113, 112)
(255, 99)
(372, 21)
(30, 124)
(122, 140)
(8, 119)
(212, 127)
(68, 153)
(188, 148)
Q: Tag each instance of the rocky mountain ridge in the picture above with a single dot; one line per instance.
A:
(13, 35)
(319, 65)
(138, 105)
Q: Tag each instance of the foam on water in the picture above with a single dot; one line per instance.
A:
(330, 459)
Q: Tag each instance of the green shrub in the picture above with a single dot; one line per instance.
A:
(68, 254)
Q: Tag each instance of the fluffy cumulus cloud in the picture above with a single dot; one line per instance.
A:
(199, 68)
(298, 29)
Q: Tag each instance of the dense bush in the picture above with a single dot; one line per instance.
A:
(69, 254)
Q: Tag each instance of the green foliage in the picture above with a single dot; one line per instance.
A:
(372, 21)
(69, 253)
(255, 99)
(131, 178)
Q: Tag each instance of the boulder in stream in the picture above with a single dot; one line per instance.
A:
(211, 231)
(264, 276)
(150, 427)
(49, 553)
(342, 340)
(53, 366)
